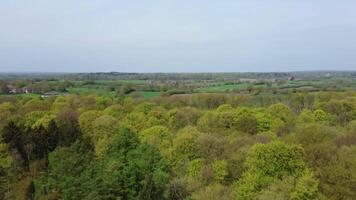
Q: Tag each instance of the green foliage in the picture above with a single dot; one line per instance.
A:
(185, 147)
(315, 139)
(86, 120)
(321, 116)
(178, 189)
(213, 146)
(208, 122)
(248, 187)
(68, 125)
(7, 107)
(339, 175)
(5, 158)
(281, 111)
(267, 163)
(44, 121)
(7, 164)
(138, 121)
(224, 108)
(145, 107)
(306, 188)
(279, 189)
(158, 136)
(179, 118)
(103, 102)
(116, 111)
(265, 121)
(3, 88)
(195, 168)
(65, 177)
(6, 113)
(213, 192)
(246, 122)
(129, 170)
(225, 120)
(36, 105)
(104, 128)
(60, 103)
(306, 116)
(352, 126)
(341, 111)
(276, 159)
(220, 170)
(193, 146)
(32, 117)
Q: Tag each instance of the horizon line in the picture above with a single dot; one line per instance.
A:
(172, 72)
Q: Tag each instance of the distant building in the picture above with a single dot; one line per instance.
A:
(17, 90)
(25, 90)
(13, 89)
(248, 80)
(49, 94)
(291, 78)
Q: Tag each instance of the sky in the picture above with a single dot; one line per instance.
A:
(177, 35)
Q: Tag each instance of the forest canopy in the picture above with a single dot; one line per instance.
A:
(201, 146)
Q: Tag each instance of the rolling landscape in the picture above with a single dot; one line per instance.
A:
(178, 100)
(178, 136)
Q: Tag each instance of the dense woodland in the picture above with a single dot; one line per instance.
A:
(276, 144)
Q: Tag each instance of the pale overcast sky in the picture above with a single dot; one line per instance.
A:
(177, 35)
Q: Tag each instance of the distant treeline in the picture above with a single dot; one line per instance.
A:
(174, 76)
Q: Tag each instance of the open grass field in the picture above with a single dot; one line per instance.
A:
(99, 91)
(122, 81)
(20, 95)
(223, 87)
(82, 90)
(146, 94)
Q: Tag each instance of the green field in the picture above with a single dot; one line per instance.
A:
(82, 90)
(224, 87)
(20, 95)
(121, 81)
(146, 94)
